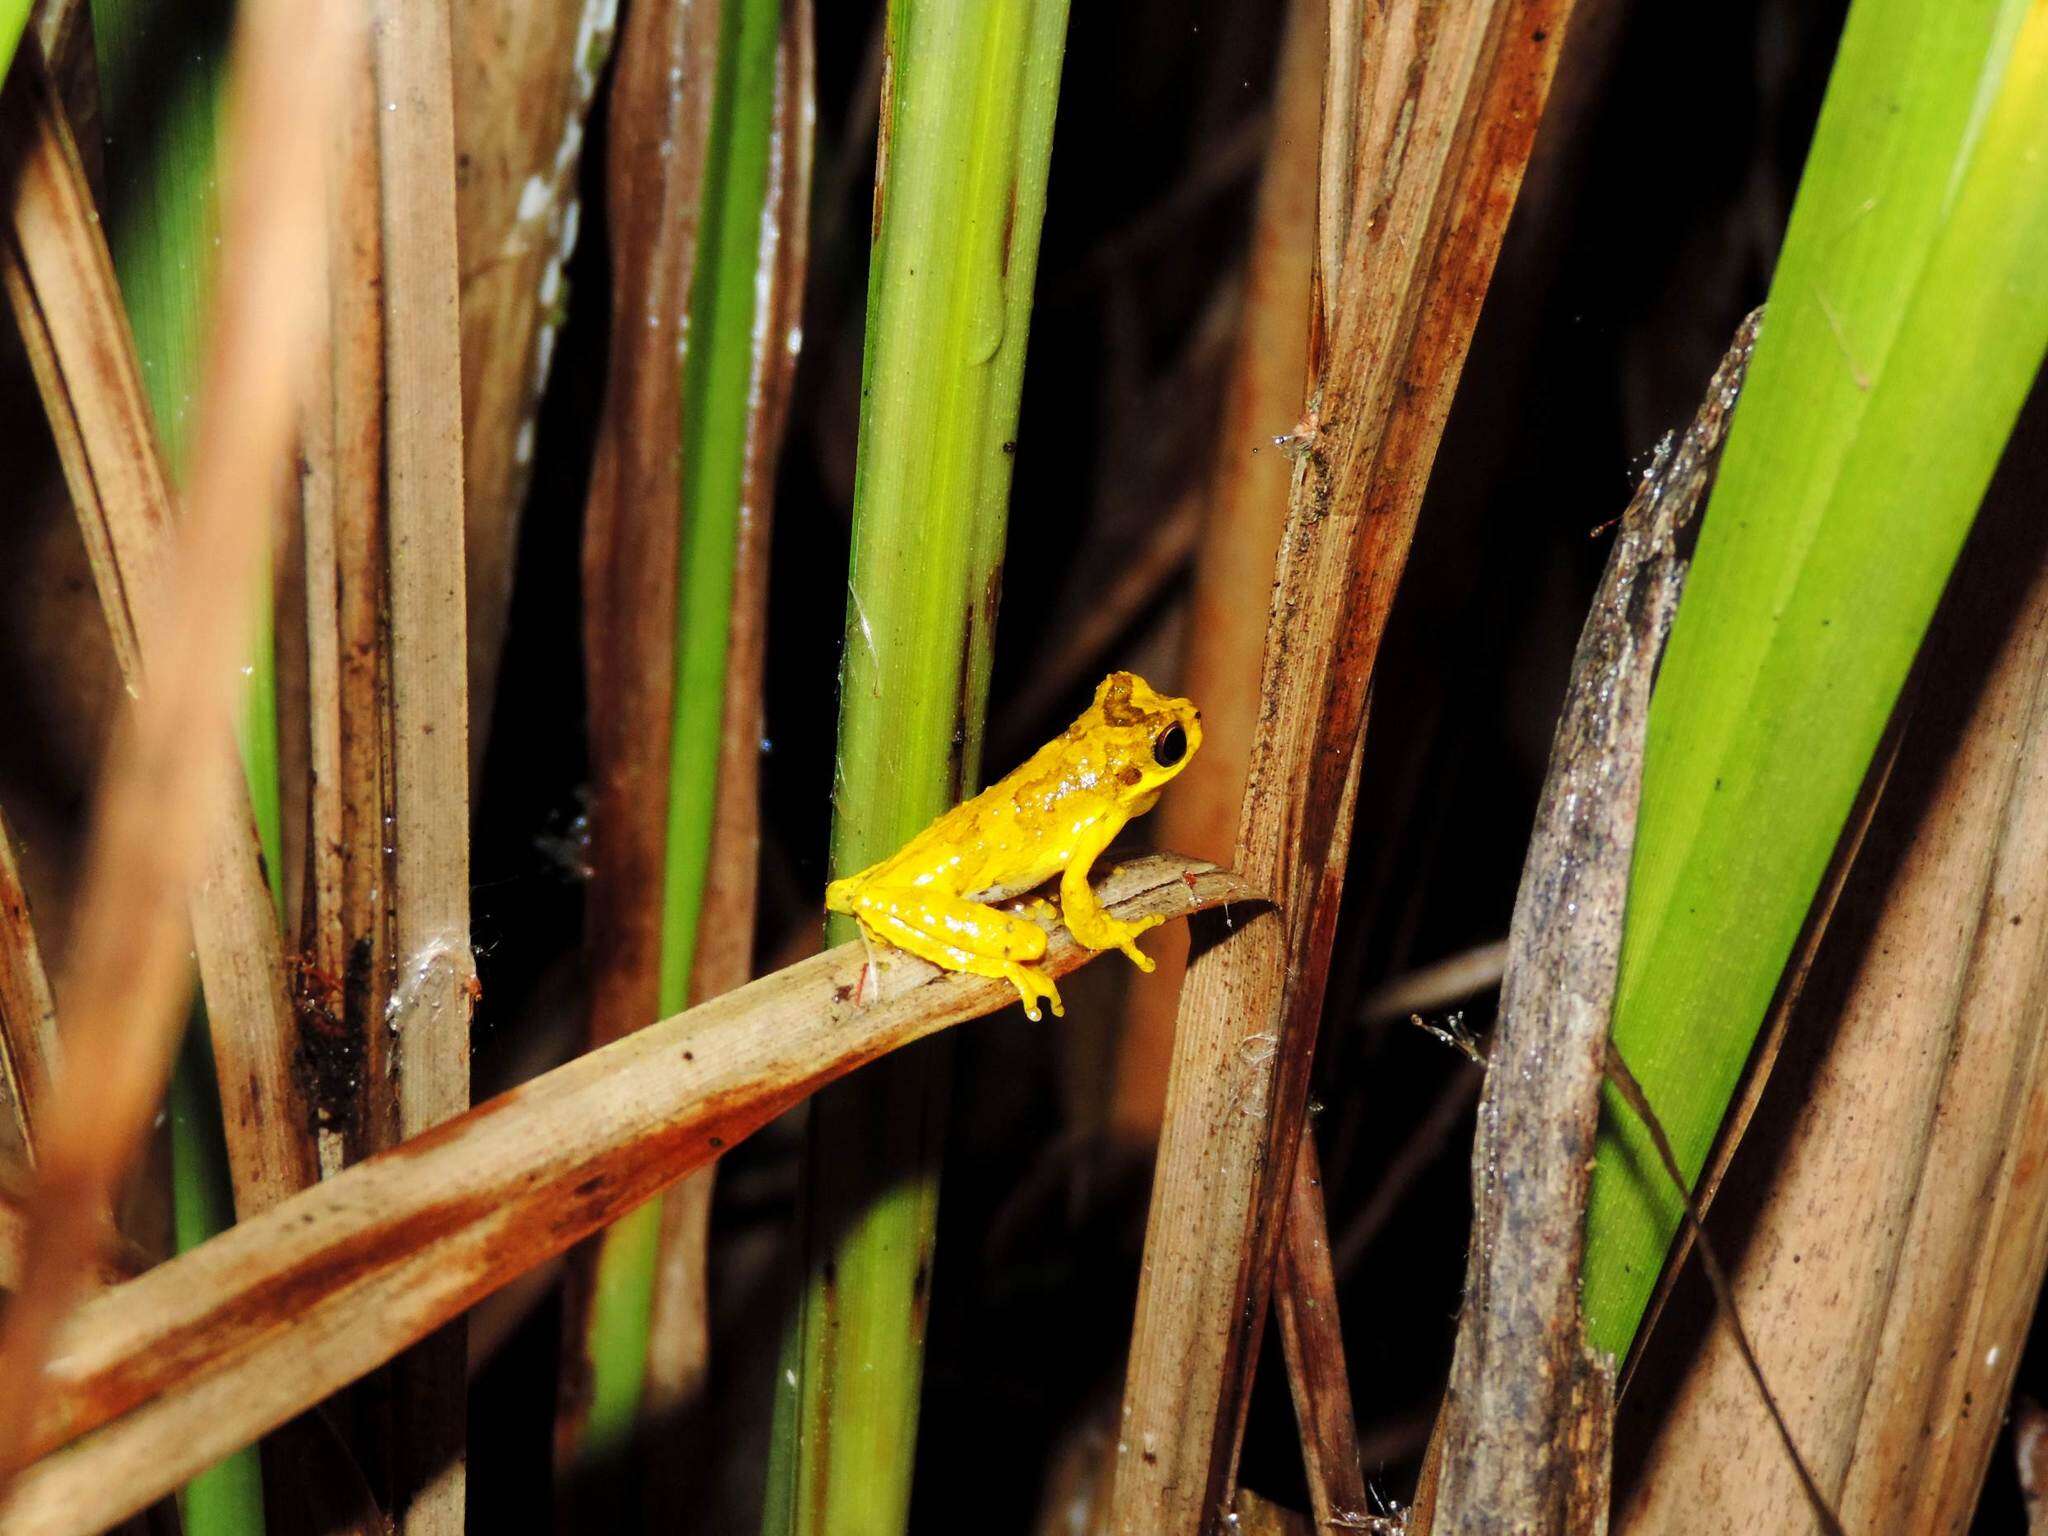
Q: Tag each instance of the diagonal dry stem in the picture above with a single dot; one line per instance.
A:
(159, 1377)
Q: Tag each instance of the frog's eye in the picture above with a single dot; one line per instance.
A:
(1170, 746)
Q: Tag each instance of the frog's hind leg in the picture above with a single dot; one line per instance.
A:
(962, 935)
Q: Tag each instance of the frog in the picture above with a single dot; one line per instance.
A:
(937, 896)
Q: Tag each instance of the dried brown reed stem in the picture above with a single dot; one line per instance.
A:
(1233, 534)
(126, 980)
(161, 1376)
(1420, 166)
(433, 991)
(1898, 1240)
(28, 1015)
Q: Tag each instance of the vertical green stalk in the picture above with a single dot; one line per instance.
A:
(966, 140)
(717, 407)
(161, 70)
(1907, 320)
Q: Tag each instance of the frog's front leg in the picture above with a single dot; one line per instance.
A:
(960, 935)
(1085, 917)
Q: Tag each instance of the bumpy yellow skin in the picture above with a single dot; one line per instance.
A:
(1053, 816)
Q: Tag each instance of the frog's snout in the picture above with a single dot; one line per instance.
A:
(839, 896)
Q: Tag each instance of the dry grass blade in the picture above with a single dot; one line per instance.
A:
(210, 1350)
(1897, 1244)
(61, 285)
(525, 77)
(1508, 1461)
(125, 982)
(423, 476)
(1429, 155)
(433, 993)
(1305, 1306)
(28, 1015)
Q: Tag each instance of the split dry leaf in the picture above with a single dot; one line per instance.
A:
(1234, 539)
(525, 79)
(159, 1377)
(169, 786)
(1429, 120)
(118, 1258)
(1514, 1404)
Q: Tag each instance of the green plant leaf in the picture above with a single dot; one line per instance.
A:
(1906, 322)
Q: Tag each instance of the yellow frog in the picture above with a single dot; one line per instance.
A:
(1052, 816)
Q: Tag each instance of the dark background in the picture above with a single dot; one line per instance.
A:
(1646, 230)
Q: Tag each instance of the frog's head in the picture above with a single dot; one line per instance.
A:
(1146, 737)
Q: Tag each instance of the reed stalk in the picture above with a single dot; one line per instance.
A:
(970, 91)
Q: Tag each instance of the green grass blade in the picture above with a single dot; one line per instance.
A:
(716, 411)
(967, 136)
(1907, 321)
(226, 1498)
(161, 72)
(13, 18)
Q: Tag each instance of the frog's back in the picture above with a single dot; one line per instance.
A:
(991, 846)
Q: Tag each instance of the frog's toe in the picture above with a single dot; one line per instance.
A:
(1127, 940)
(1032, 985)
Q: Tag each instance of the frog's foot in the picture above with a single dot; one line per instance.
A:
(1098, 930)
(1033, 984)
(960, 935)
